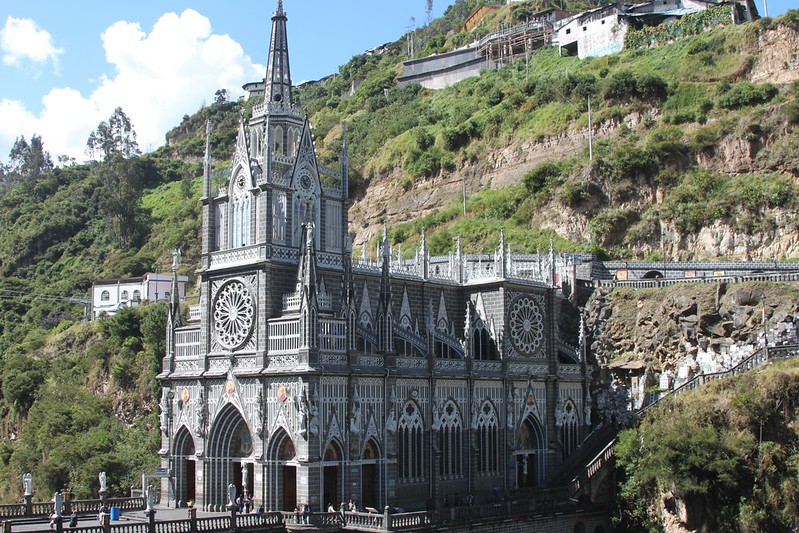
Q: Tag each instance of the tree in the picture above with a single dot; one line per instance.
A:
(220, 96)
(29, 160)
(114, 137)
(119, 192)
(429, 11)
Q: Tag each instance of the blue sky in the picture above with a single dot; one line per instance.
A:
(64, 66)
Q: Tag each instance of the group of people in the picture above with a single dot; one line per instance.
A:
(246, 504)
(73, 520)
(305, 510)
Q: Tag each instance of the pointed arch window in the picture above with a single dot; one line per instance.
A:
(410, 449)
(240, 213)
(570, 428)
(483, 346)
(277, 141)
(487, 441)
(450, 443)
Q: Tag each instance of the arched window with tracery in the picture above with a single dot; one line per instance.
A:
(240, 212)
(483, 346)
(450, 443)
(410, 449)
(570, 428)
(487, 441)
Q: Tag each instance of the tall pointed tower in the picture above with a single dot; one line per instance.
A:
(278, 74)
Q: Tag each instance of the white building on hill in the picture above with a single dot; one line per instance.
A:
(111, 295)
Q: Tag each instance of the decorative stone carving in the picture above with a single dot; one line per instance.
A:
(526, 325)
(233, 314)
(27, 484)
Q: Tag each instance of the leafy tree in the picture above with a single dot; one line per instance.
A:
(220, 96)
(114, 137)
(121, 182)
(28, 160)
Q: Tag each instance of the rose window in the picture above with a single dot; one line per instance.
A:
(526, 326)
(233, 314)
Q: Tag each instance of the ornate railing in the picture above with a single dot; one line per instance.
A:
(284, 336)
(44, 509)
(332, 335)
(187, 344)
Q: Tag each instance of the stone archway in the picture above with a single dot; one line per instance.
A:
(230, 445)
(332, 475)
(370, 474)
(530, 453)
(184, 466)
(281, 466)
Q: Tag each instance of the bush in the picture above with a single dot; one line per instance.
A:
(747, 94)
(541, 177)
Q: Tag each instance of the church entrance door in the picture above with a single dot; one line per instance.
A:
(368, 481)
(229, 443)
(330, 475)
(289, 488)
(281, 486)
(183, 461)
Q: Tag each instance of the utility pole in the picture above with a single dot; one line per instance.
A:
(590, 133)
(464, 195)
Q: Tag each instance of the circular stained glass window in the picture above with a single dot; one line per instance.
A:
(233, 314)
(526, 326)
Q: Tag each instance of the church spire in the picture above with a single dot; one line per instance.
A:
(278, 73)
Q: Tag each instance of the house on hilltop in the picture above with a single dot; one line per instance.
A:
(111, 295)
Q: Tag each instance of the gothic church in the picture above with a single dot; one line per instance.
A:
(308, 374)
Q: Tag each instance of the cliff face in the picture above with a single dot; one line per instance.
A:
(759, 142)
(666, 326)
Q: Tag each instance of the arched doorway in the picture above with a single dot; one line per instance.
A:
(229, 446)
(652, 274)
(331, 475)
(370, 475)
(282, 472)
(183, 466)
(530, 453)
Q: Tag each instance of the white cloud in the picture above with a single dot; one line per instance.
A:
(158, 78)
(22, 39)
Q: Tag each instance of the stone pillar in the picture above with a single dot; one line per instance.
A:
(105, 522)
(28, 505)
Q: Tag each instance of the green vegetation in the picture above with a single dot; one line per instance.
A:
(727, 454)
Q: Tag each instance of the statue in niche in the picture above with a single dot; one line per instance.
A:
(302, 410)
(314, 423)
(199, 424)
(355, 413)
(391, 419)
(475, 412)
(438, 406)
(259, 414)
(558, 416)
(164, 416)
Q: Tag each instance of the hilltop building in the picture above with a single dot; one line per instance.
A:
(111, 295)
(305, 375)
(592, 33)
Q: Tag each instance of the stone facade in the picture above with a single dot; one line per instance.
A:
(305, 375)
